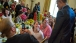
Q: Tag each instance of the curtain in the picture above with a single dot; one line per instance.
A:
(46, 5)
(12, 0)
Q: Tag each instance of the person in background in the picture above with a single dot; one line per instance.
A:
(13, 5)
(64, 23)
(27, 6)
(19, 7)
(51, 22)
(35, 8)
(38, 6)
(36, 32)
(8, 29)
(6, 13)
(23, 16)
(18, 18)
(29, 14)
(46, 29)
(48, 14)
(6, 5)
(12, 8)
(35, 16)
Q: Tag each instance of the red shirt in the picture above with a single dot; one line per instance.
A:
(1, 14)
(35, 16)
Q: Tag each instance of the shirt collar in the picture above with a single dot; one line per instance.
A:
(64, 6)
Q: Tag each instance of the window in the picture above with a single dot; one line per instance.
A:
(53, 8)
(16, 0)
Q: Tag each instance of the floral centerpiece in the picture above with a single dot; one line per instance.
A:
(17, 25)
(29, 22)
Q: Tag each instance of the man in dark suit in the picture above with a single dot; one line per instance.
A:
(63, 25)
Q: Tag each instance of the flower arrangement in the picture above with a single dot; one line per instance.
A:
(29, 22)
(17, 25)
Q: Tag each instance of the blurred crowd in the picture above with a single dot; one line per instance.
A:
(11, 13)
(19, 13)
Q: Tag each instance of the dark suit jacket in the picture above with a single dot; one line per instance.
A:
(63, 26)
(31, 16)
(22, 38)
(17, 9)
